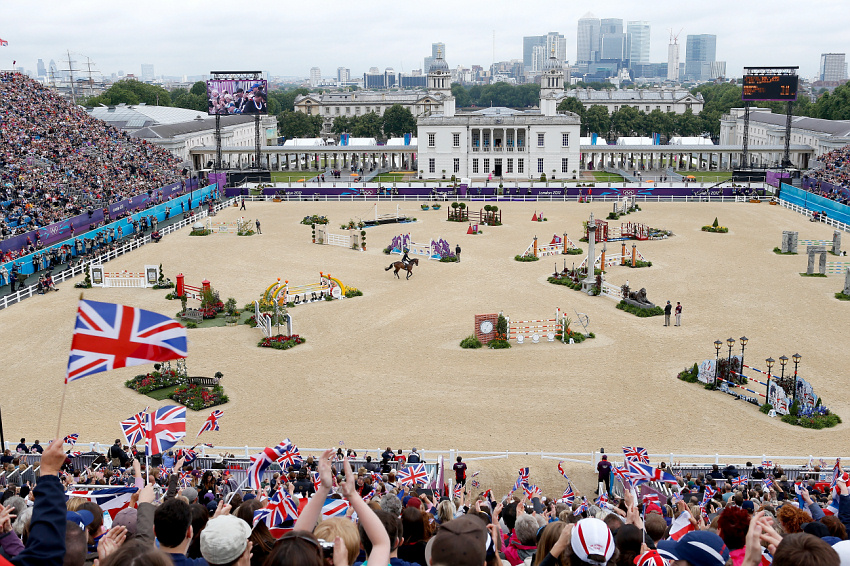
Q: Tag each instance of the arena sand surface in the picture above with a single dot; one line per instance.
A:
(386, 368)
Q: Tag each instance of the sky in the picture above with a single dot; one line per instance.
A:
(287, 38)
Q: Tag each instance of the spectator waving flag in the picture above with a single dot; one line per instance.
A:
(569, 495)
(681, 526)
(561, 470)
(836, 473)
(602, 501)
(767, 483)
(581, 508)
(72, 439)
(457, 491)
(187, 453)
(636, 454)
(135, 427)
(532, 491)
(740, 481)
(522, 480)
(413, 475)
(643, 473)
(765, 463)
(110, 499)
(317, 480)
(108, 336)
(623, 474)
(262, 460)
(165, 427)
(290, 457)
(211, 423)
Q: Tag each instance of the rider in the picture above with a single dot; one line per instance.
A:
(404, 258)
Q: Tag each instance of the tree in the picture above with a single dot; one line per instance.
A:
(200, 87)
(398, 121)
(299, 125)
(131, 92)
(596, 120)
(835, 106)
(341, 125)
(192, 101)
(572, 104)
(688, 125)
(658, 122)
(627, 121)
(286, 98)
(366, 126)
(462, 97)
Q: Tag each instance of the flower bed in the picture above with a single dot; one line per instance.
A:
(203, 232)
(198, 398)
(281, 342)
(153, 381)
(315, 219)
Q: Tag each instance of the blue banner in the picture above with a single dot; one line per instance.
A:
(122, 227)
(813, 202)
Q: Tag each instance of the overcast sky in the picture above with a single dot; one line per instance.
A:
(189, 37)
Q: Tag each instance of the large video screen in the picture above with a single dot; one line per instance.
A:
(229, 96)
(769, 87)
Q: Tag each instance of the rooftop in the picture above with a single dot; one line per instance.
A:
(136, 116)
(167, 131)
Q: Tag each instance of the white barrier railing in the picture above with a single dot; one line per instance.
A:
(133, 244)
(806, 212)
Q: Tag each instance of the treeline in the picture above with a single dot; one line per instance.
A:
(396, 121)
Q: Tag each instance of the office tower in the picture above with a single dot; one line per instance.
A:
(638, 42)
(556, 45)
(315, 76)
(42, 71)
(539, 56)
(701, 52)
(832, 67)
(147, 72)
(528, 45)
(343, 75)
(612, 40)
(673, 59)
(587, 39)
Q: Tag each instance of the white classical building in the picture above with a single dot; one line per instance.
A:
(768, 129)
(499, 143)
(645, 100)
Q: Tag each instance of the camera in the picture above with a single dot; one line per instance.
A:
(327, 548)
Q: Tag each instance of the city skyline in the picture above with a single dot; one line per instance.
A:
(174, 38)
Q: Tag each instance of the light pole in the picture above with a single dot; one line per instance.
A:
(717, 345)
(769, 362)
(782, 361)
(730, 342)
(744, 341)
(796, 358)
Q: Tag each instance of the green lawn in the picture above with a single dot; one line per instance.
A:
(603, 177)
(292, 176)
(161, 394)
(708, 176)
(390, 177)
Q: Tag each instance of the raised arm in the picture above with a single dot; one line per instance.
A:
(310, 514)
(368, 519)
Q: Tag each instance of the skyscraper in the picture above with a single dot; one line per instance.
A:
(557, 45)
(587, 39)
(832, 67)
(638, 42)
(315, 76)
(343, 75)
(673, 59)
(528, 45)
(41, 70)
(147, 72)
(701, 52)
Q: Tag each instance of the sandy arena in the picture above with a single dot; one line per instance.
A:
(386, 368)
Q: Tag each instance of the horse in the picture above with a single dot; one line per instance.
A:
(399, 265)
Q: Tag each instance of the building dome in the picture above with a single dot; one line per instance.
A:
(439, 64)
(552, 64)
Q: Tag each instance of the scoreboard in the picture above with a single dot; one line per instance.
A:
(772, 86)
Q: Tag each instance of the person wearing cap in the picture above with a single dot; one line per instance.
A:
(461, 542)
(224, 541)
(697, 548)
(592, 542)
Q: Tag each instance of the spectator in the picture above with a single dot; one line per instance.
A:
(172, 525)
(225, 541)
(22, 447)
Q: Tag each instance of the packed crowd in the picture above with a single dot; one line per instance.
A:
(836, 171)
(184, 516)
(56, 161)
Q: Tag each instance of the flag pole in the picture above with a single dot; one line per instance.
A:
(65, 387)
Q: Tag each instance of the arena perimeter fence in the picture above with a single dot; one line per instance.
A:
(132, 244)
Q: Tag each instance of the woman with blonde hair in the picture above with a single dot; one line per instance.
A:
(548, 538)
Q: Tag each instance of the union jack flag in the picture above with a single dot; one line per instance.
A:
(72, 439)
(643, 473)
(457, 491)
(317, 480)
(413, 475)
(532, 491)
(836, 473)
(334, 508)
(211, 423)
(740, 481)
(636, 453)
(185, 479)
(165, 427)
(651, 498)
(569, 495)
(561, 470)
(262, 460)
(279, 508)
(369, 495)
(522, 480)
(135, 427)
(623, 474)
(766, 463)
(109, 336)
(767, 483)
(602, 501)
(476, 473)
(476, 484)
(709, 493)
(377, 478)
(186, 453)
(581, 508)
(290, 457)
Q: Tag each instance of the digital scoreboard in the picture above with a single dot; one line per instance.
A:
(770, 86)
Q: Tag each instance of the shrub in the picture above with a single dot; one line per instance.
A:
(314, 219)
(470, 342)
(499, 344)
(153, 381)
(191, 324)
(766, 408)
(690, 375)
(637, 311)
(575, 251)
(198, 398)
(640, 263)
(352, 292)
(203, 232)
(842, 297)
(525, 258)
(448, 259)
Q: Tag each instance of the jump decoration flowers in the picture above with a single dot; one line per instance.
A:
(281, 342)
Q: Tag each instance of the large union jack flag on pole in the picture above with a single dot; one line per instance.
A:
(643, 473)
(264, 459)
(166, 426)
(108, 336)
(636, 453)
(413, 475)
(134, 428)
(212, 422)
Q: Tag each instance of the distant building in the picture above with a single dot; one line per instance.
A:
(673, 60)
(147, 73)
(437, 50)
(612, 40)
(587, 39)
(502, 143)
(677, 101)
(343, 76)
(833, 68)
(638, 42)
(41, 70)
(315, 76)
(701, 52)
(532, 48)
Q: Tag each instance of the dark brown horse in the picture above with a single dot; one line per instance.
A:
(399, 265)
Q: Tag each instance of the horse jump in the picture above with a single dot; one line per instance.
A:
(283, 294)
(519, 330)
(101, 278)
(558, 245)
(353, 240)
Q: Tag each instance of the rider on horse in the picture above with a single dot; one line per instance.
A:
(404, 258)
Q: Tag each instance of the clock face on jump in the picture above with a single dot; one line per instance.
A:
(486, 327)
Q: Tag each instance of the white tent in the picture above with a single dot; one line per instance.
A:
(399, 142)
(634, 141)
(304, 142)
(677, 140)
(589, 141)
